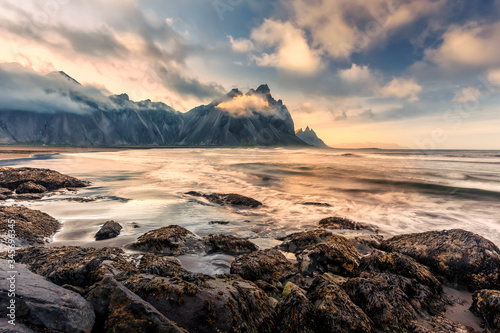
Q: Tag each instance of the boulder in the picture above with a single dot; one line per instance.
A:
(229, 244)
(439, 324)
(268, 265)
(76, 266)
(213, 305)
(293, 313)
(337, 255)
(299, 241)
(110, 229)
(30, 187)
(463, 258)
(43, 306)
(11, 178)
(32, 227)
(171, 240)
(120, 310)
(230, 199)
(393, 301)
(342, 223)
(486, 304)
(396, 263)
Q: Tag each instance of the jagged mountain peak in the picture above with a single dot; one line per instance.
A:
(264, 89)
(309, 136)
(61, 74)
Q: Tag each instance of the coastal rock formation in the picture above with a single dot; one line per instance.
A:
(336, 255)
(325, 308)
(110, 229)
(42, 305)
(461, 257)
(229, 244)
(213, 305)
(230, 199)
(347, 224)
(36, 180)
(299, 241)
(120, 310)
(486, 304)
(439, 324)
(171, 240)
(393, 301)
(397, 263)
(269, 265)
(32, 227)
(309, 136)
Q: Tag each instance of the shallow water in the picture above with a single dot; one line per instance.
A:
(399, 191)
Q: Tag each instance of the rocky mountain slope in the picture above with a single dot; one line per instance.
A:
(309, 136)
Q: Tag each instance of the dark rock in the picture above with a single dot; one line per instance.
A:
(267, 265)
(32, 226)
(336, 255)
(230, 199)
(120, 310)
(461, 257)
(333, 310)
(171, 240)
(439, 324)
(5, 191)
(42, 305)
(11, 178)
(293, 313)
(17, 328)
(229, 244)
(270, 290)
(30, 187)
(28, 196)
(214, 305)
(75, 266)
(397, 263)
(486, 304)
(110, 229)
(164, 266)
(320, 204)
(343, 223)
(299, 241)
(393, 301)
(219, 222)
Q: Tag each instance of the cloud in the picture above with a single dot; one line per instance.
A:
(402, 88)
(466, 95)
(494, 76)
(245, 105)
(473, 45)
(282, 45)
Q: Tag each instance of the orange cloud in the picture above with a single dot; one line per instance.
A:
(245, 104)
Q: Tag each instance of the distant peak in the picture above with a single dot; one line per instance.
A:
(264, 89)
(234, 93)
(59, 74)
(308, 129)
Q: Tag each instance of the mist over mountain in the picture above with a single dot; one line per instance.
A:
(309, 136)
(55, 109)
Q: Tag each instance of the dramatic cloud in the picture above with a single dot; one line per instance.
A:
(402, 88)
(244, 105)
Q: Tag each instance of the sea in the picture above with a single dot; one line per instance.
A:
(399, 191)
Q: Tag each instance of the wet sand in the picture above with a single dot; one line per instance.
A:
(13, 152)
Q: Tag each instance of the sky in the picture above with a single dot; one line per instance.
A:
(398, 73)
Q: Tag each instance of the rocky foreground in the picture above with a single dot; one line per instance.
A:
(344, 278)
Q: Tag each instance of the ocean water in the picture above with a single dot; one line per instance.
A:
(400, 191)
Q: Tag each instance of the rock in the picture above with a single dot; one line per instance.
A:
(75, 266)
(17, 328)
(229, 244)
(110, 229)
(336, 255)
(230, 199)
(164, 266)
(214, 305)
(44, 306)
(463, 258)
(293, 313)
(30, 187)
(397, 263)
(171, 240)
(320, 204)
(27, 196)
(268, 265)
(299, 241)
(219, 222)
(393, 301)
(11, 178)
(120, 310)
(343, 223)
(486, 304)
(5, 191)
(32, 227)
(333, 309)
(439, 324)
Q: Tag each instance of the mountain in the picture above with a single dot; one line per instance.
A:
(310, 137)
(55, 109)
